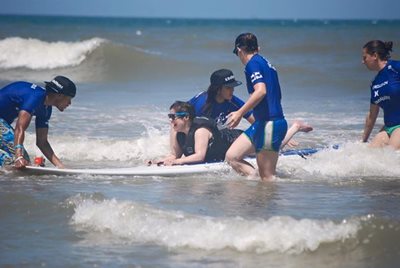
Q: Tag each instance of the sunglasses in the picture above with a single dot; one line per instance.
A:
(176, 115)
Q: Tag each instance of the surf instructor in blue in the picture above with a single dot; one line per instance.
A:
(23, 100)
(265, 135)
(385, 94)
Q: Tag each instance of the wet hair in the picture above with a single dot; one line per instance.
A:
(248, 42)
(182, 106)
(382, 49)
(212, 92)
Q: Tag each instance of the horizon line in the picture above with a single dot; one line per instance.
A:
(197, 18)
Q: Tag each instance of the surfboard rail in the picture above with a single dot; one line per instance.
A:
(155, 170)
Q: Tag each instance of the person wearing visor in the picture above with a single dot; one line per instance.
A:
(219, 101)
(23, 100)
(264, 137)
(195, 139)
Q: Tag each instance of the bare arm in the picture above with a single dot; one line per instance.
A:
(260, 90)
(175, 149)
(251, 119)
(24, 118)
(45, 147)
(370, 121)
(201, 139)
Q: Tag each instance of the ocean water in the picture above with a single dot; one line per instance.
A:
(337, 208)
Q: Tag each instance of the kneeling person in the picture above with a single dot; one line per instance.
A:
(22, 100)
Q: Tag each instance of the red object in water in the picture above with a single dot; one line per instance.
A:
(39, 161)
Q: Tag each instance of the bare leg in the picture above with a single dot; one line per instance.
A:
(381, 139)
(297, 126)
(266, 161)
(238, 150)
(394, 140)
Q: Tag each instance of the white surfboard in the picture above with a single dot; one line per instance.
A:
(155, 170)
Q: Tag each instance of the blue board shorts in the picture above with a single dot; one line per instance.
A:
(7, 151)
(267, 135)
(6, 143)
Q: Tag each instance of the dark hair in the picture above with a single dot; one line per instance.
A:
(212, 92)
(182, 106)
(382, 49)
(248, 42)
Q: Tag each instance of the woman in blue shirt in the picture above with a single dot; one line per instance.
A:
(385, 94)
(219, 101)
(265, 135)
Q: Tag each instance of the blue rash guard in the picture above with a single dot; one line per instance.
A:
(385, 92)
(270, 127)
(218, 111)
(257, 70)
(25, 96)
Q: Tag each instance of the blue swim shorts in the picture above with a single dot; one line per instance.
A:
(267, 135)
(6, 143)
(389, 130)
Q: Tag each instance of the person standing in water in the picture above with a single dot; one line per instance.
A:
(265, 135)
(219, 101)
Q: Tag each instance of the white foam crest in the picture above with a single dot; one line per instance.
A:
(114, 150)
(355, 160)
(74, 148)
(16, 52)
(140, 223)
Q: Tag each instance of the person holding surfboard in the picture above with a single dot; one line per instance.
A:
(385, 94)
(218, 101)
(264, 137)
(23, 100)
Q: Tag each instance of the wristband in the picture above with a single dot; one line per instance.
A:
(18, 146)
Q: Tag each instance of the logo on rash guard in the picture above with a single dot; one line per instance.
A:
(255, 76)
(383, 98)
(376, 93)
(380, 85)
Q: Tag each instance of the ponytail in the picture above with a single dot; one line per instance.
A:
(382, 49)
(389, 46)
(212, 92)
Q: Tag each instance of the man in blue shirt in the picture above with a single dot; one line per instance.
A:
(21, 101)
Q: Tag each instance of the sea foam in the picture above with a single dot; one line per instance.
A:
(141, 223)
(35, 54)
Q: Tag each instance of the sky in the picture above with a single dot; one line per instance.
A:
(214, 9)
